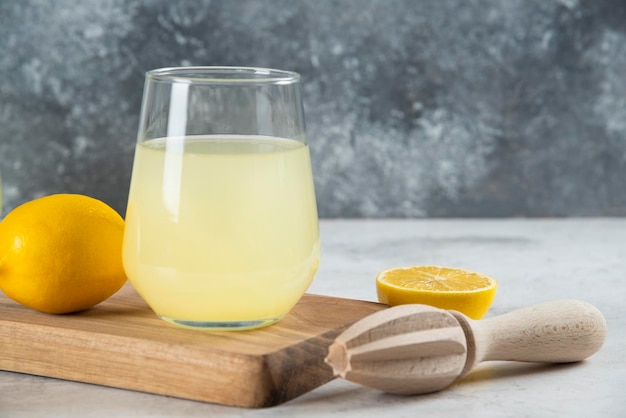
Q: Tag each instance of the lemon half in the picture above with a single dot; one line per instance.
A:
(450, 288)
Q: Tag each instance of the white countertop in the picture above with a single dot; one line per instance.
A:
(533, 260)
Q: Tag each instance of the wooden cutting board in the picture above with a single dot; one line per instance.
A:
(121, 343)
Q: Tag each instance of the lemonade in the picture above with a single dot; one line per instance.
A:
(221, 228)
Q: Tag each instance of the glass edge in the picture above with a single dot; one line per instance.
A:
(274, 76)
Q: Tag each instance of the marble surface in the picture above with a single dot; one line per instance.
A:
(415, 108)
(534, 261)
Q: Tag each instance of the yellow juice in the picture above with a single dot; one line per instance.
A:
(221, 229)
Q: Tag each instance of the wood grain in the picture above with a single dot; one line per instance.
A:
(121, 343)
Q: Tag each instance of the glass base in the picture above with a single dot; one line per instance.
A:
(221, 325)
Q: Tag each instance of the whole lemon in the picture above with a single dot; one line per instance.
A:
(61, 253)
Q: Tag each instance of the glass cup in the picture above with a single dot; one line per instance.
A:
(221, 224)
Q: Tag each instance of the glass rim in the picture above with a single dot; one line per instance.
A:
(223, 75)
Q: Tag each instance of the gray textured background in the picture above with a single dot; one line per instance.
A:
(414, 108)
